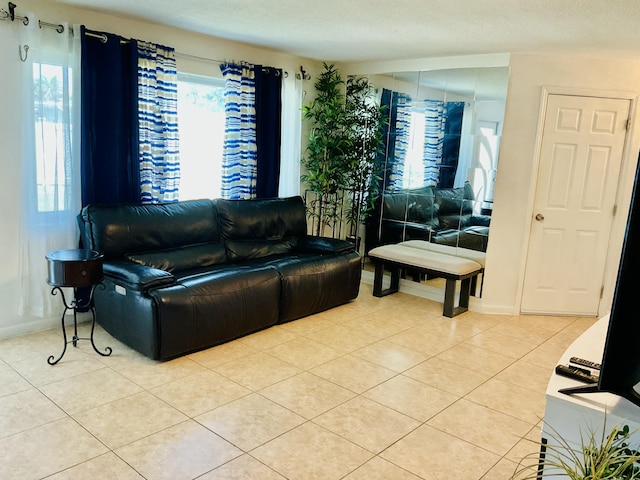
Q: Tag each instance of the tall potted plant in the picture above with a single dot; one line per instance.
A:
(325, 159)
(364, 118)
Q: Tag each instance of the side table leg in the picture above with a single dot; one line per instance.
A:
(75, 326)
(75, 306)
(107, 350)
(51, 360)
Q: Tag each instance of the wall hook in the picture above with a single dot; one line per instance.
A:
(303, 75)
(26, 52)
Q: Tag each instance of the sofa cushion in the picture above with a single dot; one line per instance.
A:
(472, 238)
(480, 220)
(417, 205)
(313, 244)
(455, 222)
(247, 249)
(395, 206)
(208, 309)
(262, 219)
(423, 209)
(117, 230)
(452, 201)
(176, 259)
(313, 283)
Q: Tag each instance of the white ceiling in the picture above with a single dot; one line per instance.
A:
(367, 30)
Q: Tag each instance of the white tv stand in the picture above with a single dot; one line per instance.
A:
(570, 416)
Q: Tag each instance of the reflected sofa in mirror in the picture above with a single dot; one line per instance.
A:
(442, 216)
(439, 158)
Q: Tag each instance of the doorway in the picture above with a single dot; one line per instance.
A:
(581, 153)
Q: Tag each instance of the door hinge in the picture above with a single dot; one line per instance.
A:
(615, 210)
(628, 124)
(602, 291)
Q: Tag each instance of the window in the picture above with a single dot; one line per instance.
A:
(201, 123)
(52, 136)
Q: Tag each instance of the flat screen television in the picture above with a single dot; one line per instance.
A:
(620, 365)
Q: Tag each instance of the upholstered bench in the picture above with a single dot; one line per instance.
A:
(450, 267)
(467, 253)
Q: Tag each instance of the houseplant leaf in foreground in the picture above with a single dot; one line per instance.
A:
(606, 458)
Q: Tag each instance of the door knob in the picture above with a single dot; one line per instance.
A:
(539, 217)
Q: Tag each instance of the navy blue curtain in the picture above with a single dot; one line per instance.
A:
(109, 120)
(268, 95)
(451, 144)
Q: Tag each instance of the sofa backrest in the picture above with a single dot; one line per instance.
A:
(414, 206)
(455, 201)
(261, 227)
(117, 231)
(194, 233)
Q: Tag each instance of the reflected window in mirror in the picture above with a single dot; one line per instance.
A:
(422, 141)
(440, 157)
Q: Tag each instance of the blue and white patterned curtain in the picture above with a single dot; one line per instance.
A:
(402, 138)
(239, 158)
(434, 125)
(158, 123)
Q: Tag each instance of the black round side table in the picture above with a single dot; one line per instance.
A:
(75, 268)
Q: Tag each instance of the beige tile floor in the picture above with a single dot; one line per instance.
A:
(381, 388)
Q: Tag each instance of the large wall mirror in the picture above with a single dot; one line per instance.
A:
(440, 157)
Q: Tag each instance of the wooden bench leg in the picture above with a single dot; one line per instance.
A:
(449, 298)
(377, 281)
(464, 294)
(449, 309)
(474, 284)
(395, 280)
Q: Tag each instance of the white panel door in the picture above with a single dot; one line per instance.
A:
(580, 156)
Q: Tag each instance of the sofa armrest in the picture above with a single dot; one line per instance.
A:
(311, 243)
(134, 275)
(480, 220)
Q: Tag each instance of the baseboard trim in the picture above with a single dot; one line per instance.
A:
(32, 325)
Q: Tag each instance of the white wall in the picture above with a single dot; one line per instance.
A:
(513, 201)
(187, 45)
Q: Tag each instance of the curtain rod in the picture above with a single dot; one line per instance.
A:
(4, 15)
(219, 62)
(11, 16)
(196, 57)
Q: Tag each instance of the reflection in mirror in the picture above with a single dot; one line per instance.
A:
(440, 158)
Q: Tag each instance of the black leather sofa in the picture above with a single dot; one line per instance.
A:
(185, 276)
(438, 215)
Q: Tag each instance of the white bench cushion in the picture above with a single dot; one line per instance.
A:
(417, 257)
(469, 254)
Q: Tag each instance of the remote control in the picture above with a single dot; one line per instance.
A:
(586, 371)
(575, 373)
(585, 363)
